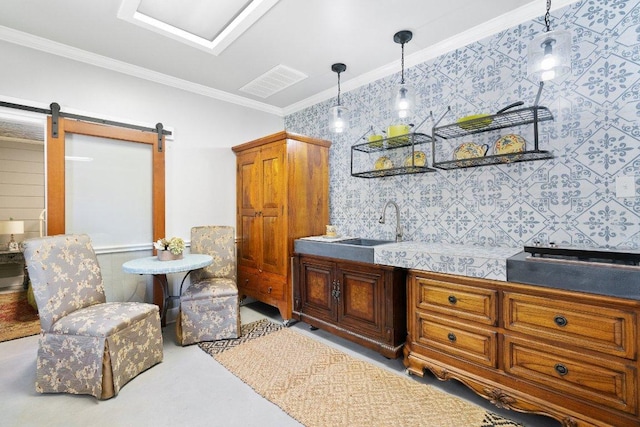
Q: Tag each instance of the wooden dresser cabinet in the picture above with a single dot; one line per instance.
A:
(569, 355)
(361, 302)
(282, 186)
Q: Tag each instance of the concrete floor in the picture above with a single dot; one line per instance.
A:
(188, 388)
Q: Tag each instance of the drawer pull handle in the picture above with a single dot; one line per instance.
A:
(561, 369)
(270, 289)
(452, 337)
(452, 299)
(560, 321)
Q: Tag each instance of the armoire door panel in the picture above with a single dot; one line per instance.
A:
(248, 180)
(273, 243)
(248, 245)
(273, 179)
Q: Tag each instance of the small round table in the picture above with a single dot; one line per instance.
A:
(160, 269)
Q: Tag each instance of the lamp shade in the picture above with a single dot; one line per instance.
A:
(549, 55)
(11, 227)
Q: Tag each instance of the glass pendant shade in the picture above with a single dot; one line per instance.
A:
(549, 55)
(338, 119)
(403, 100)
(403, 96)
(338, 115)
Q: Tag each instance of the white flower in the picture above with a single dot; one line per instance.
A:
(175, 245)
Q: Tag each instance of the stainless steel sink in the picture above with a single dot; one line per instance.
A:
(363, 242)
(358, 249)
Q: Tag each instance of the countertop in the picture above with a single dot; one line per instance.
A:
(487, 263)
(472, 261)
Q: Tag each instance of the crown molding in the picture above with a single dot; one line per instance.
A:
(38, 43)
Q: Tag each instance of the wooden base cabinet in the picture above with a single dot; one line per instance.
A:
(282, 184)
(569, 355)
(361, 302)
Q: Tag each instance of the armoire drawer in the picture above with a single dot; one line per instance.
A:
(598, 380)
(474, 344)
(260, 284)
(608, 330)
(461, 301)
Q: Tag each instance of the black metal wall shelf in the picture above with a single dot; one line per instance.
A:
(391, 143)
(498, 159)
(406, 144)
(523, 116)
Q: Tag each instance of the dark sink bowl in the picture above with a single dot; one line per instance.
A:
(363, 242)
(358, 249)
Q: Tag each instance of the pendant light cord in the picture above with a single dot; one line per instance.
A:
(402, 64)
(547, 19)
(338, 89)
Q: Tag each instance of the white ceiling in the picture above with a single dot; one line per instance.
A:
(304, 35)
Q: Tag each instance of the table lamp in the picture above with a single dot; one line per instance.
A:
(12, 227)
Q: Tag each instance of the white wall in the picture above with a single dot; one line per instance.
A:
(200, 166)
(199, 161)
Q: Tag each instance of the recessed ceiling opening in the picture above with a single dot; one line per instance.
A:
(205, 24)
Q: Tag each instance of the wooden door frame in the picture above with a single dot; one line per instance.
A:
(55, 176)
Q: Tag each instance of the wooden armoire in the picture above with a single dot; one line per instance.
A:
(282, 194)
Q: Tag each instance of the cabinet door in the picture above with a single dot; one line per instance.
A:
(273, 189)
(361, 300)
(249, 227)
(317, 289)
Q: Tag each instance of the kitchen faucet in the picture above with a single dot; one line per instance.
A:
(398, 228)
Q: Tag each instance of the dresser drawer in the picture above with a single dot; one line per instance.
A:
(474, 344)
(461, 301)
(600, 381)
(603, 329)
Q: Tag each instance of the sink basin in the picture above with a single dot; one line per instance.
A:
(363, 242)
(358, 249)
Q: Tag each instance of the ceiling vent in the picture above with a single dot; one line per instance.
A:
(273, 81)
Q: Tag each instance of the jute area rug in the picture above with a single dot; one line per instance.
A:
(17, 318)
(320, 386)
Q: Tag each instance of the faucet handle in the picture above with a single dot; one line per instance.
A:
(381, 220)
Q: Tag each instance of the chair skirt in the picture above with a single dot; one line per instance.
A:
(209, 311)
(98, 349)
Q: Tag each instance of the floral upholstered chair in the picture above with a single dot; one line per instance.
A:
(87, 345)
(209, 307)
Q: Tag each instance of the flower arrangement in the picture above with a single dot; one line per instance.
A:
(175, 245)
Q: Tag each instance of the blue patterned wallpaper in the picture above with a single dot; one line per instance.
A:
(570, 199)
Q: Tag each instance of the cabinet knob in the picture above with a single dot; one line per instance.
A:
(561, 369)
(452, 337)
(560, 321)
(452, 299)
(269, 290)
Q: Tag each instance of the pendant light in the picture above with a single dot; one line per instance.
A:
(403, 95)
(549, 54)
(338, 115)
